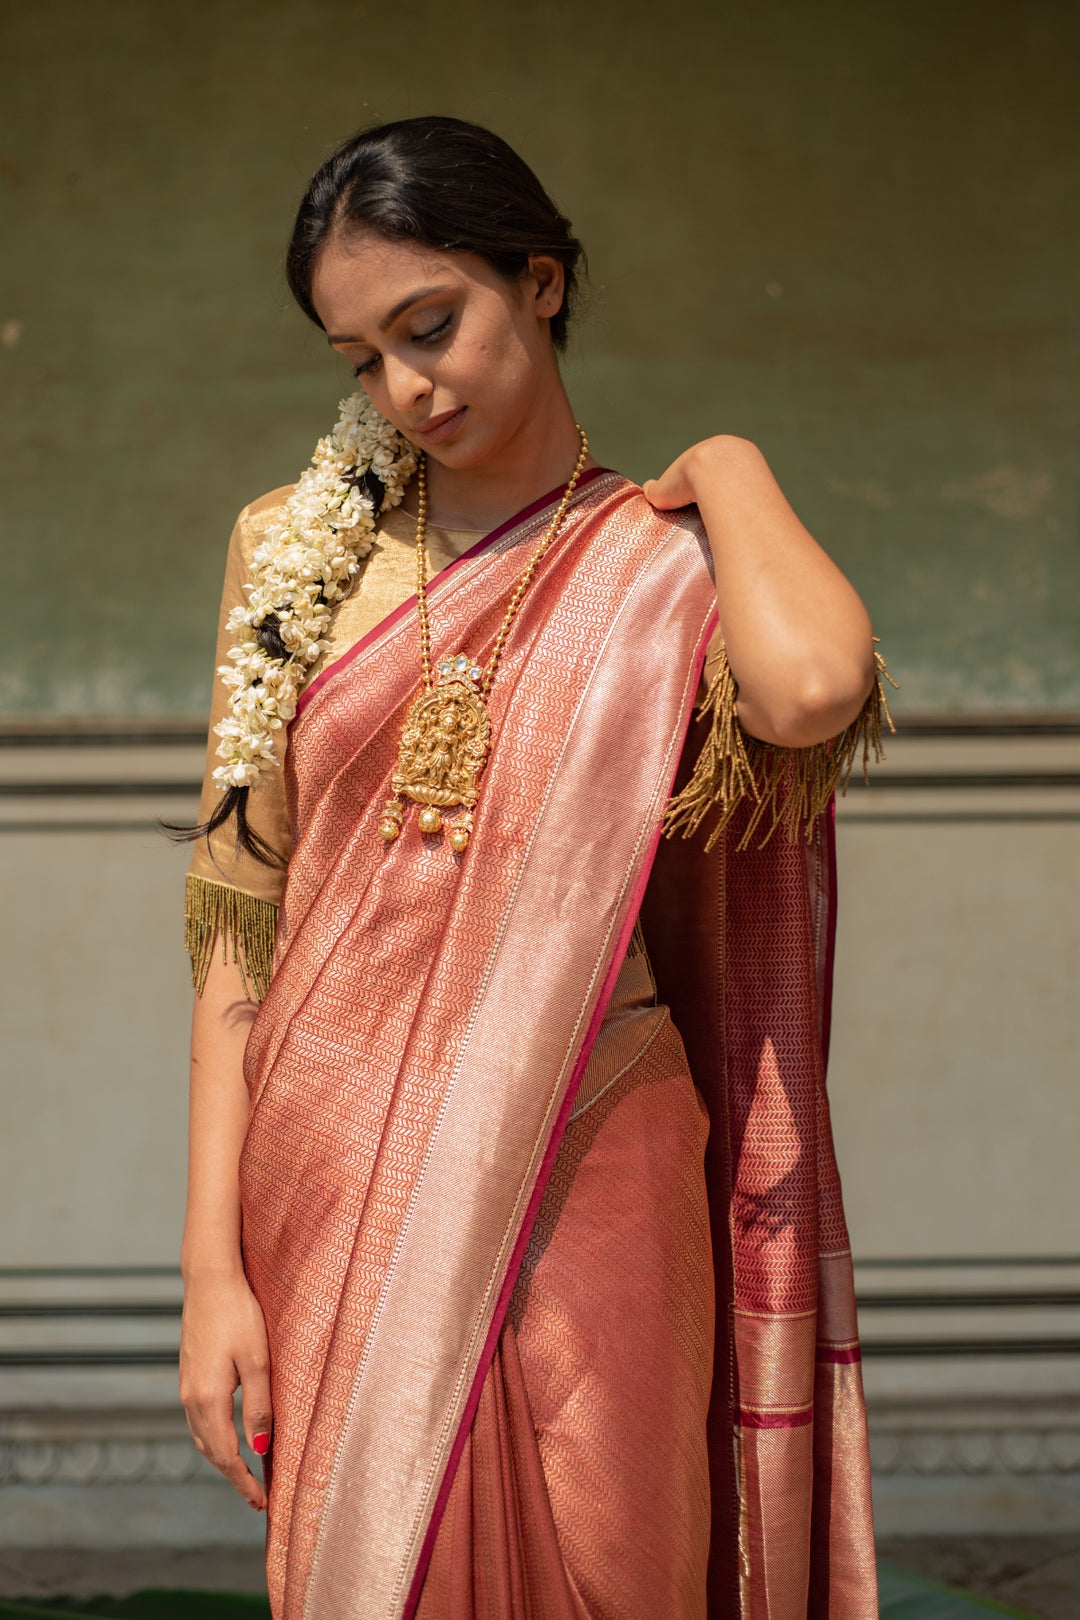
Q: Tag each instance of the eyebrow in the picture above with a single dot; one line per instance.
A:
(388, 321)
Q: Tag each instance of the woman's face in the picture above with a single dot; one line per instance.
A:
(458, 357)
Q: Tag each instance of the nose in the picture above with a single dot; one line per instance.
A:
(405, 386)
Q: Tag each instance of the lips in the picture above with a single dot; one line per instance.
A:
(440, 427)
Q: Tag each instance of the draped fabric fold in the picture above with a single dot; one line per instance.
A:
(741, 941)
(513, 1224)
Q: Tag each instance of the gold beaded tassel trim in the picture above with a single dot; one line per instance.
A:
(214, 911)
(789, 787)
(447, 734)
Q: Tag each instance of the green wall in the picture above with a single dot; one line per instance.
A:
(847, 231)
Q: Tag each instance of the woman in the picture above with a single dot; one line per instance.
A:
(512, 1209)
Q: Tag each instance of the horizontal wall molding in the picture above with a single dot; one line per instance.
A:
(86, 1446)
(937, 770)
(187, 730)
(1001, 725)
(62, 1309)
(901, 1349)
(99, 782)
(955, 1262)
(943, 1405)
(988, 1300)
(909, 1309)
(89, 1358)
(915, 781)
(125, 788)
(1015, 1449)
(67, 735)
(978, 1348)
(96, 1449)
(77, 825)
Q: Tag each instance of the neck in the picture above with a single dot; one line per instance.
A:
(539, 457)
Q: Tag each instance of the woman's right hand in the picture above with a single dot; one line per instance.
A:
(223, 1345)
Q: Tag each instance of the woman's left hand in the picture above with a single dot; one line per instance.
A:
(797, 636)
(675, 487)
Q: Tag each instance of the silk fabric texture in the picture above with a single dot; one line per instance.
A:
(554, 1271)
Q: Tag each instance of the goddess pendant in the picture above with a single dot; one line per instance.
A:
(443, 749)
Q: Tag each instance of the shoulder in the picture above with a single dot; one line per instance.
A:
(262, 512)
(255, 518)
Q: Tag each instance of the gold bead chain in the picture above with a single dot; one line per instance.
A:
(519, 590)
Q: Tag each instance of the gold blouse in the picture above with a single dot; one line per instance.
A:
(387, 578)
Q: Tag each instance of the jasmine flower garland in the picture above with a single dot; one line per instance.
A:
(306, 562)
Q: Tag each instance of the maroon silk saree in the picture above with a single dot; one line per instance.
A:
(555, 1280)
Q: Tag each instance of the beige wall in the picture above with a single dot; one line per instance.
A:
(955, 1049)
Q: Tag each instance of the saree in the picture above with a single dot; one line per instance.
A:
(538, 1193)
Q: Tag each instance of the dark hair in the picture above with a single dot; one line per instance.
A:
(441, 182)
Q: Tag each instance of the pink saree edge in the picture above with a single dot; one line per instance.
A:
(548, 1160)
(830, 930)
(407, 606)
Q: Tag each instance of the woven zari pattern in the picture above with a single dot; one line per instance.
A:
(740, 941)
(584, 1487)
(408, 1002)
(409, 1165)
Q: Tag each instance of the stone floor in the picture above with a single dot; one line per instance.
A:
(49, 1571)
(1038, 1575)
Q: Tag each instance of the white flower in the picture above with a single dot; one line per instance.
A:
(312, 552)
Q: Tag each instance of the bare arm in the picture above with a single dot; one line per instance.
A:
(798, 638)
(223, 1336)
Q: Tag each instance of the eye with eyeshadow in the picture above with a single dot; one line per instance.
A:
(433, 335)
(434, 332)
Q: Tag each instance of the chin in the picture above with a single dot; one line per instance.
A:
(468, 448)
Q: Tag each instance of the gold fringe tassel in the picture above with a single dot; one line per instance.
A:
(789, 787)
(213, 910)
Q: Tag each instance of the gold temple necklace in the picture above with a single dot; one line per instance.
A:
(447, 734)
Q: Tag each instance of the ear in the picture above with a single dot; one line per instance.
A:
(545, 284)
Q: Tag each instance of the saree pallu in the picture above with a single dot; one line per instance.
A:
(543, 1271)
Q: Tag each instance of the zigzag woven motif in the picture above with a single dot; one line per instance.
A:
(353, 1050)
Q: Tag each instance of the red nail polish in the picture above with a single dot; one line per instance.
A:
(256, 1506)
(261, 1442)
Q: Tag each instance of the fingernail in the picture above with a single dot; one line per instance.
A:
(255, 1505)
(261, 1442)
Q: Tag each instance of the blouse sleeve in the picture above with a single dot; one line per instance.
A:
(231, 897)
(782, 787)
